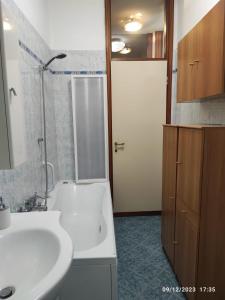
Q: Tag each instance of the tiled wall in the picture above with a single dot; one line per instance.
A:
(20, 183)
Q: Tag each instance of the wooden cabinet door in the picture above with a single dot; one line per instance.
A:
(190, 65)
(209, 53)
(211, 264)
(190, 149)
(186, 67)
(182, 88)
(189, 170)
(186, 247)
(169, 189)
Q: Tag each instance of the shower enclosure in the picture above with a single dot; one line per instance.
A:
(89, 99)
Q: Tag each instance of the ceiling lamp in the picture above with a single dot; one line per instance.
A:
(117, 45)
(133, 25)
(6, 25)
(126, 50)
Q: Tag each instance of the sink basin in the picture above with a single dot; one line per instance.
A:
(35, 255)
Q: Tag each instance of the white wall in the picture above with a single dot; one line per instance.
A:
(36, 11)
(77, 24)
(190, 12)
(67, 24)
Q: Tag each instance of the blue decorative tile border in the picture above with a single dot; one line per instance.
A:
(40, 61)
(78, 72)
(30, 52)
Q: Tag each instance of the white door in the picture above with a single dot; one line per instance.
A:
(138, 110)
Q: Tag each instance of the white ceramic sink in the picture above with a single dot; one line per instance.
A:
(35, 254)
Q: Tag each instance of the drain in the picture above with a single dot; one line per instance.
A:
(7, 292)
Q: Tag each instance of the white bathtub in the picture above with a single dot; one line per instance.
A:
(88, 218)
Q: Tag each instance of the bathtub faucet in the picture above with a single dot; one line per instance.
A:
(34, 203)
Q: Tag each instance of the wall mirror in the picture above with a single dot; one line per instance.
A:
(138, 29)
(12, 119)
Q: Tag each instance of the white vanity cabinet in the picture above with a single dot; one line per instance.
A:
(12, 116)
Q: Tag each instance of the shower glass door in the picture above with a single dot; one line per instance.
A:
(89, 99)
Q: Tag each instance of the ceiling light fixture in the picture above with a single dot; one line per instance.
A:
(6, 25)
(117, 45)
(139, 15)
(133, 25)
(126, 50)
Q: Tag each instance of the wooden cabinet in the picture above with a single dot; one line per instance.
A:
(189, 167)
(169, 190)
(186, 70)
(186, 232)
(193, 224)
(211, 261)
(201, 58)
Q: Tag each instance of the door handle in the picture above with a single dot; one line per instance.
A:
(119, 146)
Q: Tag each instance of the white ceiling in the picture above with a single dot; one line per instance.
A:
(152, 11)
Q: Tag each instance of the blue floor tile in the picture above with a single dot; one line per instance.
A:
(143, 268)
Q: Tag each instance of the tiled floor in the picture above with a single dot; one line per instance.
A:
(142, 266)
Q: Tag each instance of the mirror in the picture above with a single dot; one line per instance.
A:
(12, 120)
(138, 29)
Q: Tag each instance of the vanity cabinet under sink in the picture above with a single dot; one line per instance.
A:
(193, 216)
(12, 116)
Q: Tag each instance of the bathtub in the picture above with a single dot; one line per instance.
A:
(87, 216)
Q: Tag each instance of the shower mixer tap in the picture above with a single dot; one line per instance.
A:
(34, 204)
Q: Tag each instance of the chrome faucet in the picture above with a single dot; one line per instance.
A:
(34, 203)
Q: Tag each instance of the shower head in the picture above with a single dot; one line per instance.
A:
(59, 56)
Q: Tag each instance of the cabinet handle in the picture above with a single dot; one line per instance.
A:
(178, 163)
(196, 61)
(183, 211)
(191, 64)
(175, 242)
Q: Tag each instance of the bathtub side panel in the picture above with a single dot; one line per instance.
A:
(114, 282)
(87, 282)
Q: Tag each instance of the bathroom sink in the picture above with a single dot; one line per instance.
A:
(35, 255)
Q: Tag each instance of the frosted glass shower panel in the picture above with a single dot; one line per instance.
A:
(90, 134)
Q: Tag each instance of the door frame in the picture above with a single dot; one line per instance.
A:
(169, 23)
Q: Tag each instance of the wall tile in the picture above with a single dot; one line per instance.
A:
(18, 184)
